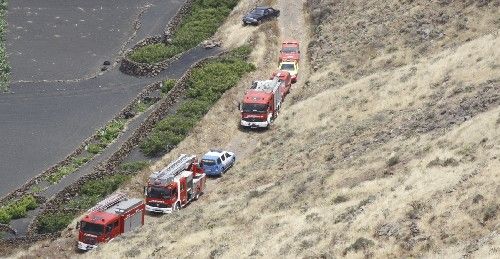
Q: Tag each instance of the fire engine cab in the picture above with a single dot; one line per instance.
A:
(109, 218)
(176, 185)
(261, 103)
(290, 51)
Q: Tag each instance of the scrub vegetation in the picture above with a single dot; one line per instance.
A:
(62, 171)
(201, 23)
(17, 209)
(205, 86)
(53, 222)
(167, 85)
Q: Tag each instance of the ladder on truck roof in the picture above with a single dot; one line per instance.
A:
(266, 85)
(167, 174)
(108, 202)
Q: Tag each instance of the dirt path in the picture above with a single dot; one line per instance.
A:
(293, 25)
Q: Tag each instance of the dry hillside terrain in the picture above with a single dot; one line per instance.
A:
(389, 145)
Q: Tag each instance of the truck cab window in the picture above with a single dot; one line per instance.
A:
(219, 161)
(223, 158)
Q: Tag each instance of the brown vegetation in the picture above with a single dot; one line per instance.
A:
(389, 148)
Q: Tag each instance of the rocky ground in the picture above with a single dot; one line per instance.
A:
(387, 147)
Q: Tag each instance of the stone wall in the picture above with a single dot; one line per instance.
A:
(130, 67)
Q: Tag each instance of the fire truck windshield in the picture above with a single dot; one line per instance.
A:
(290, 50)
(254, 107)
(159, 193)
(287, 67)
(91, 228)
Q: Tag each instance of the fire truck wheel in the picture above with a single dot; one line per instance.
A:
(197, 196)
(177, 206)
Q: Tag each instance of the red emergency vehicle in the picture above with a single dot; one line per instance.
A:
(176, 185)
(290, 51)
(109, 218)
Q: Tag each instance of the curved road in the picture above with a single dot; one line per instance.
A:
(44, 119)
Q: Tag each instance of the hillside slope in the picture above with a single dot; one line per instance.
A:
(391, 153)
(398, 160)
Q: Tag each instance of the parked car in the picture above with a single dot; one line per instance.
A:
(260, 14)
(216, 162)
(292, 67)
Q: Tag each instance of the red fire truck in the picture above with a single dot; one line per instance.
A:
(261, 103)
(111, 217)
(286, 78)
(290, 51)
(176, 185)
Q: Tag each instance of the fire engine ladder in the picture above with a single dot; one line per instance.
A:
(108, 202)
(176, 167)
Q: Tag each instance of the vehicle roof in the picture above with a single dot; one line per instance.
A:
(212, 154)
(288, 62)
(100, 217)
(124, 206)
(290, 42)
(256, 96)
(281, 73)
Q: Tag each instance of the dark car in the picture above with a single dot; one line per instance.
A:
(260, 14)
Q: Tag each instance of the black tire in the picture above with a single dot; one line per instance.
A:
(177, 207)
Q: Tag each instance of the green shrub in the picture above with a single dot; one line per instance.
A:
(160, 141)
(60, 173)
(154, 53)
(28, 202)
(205, 86)
(104, 186)
(111, 131)
(142, 106)
(63, 171)
(79, 161)
(17, 209)
(50, 223)
(94, 191)
(177, 124)
(95, 148)
(202, 21)
(167, 85)
(194, 109)
(4, 216)
(135, 166)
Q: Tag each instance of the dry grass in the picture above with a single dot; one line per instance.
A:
(392, 162)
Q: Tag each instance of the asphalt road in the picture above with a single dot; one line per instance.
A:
(42, 122)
